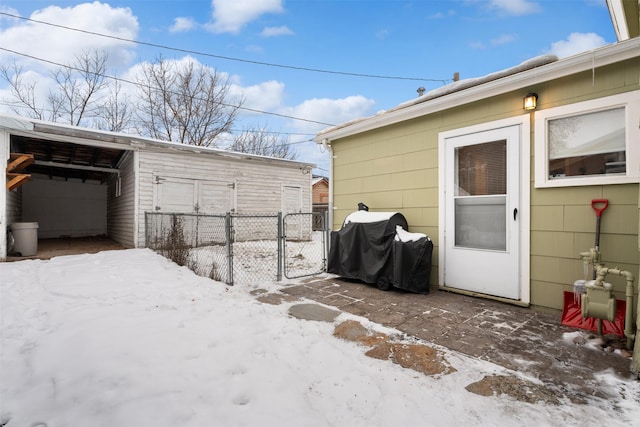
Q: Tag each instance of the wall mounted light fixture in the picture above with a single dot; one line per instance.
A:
(530, 101)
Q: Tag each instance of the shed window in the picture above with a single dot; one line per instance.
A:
(588, 143)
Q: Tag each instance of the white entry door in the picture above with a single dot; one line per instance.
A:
(482, 208)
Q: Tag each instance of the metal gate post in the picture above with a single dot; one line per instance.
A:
(147, 233)
(281, 237)
(228, 226)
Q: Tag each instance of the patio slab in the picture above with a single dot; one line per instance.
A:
(528, 340)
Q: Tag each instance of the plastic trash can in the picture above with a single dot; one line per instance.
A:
(25, 236)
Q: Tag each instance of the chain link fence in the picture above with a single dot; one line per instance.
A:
(241, 248)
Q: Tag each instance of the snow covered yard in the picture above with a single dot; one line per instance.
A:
(127, 338)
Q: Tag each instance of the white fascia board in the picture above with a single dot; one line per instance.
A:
(572, 65)
(618, 19)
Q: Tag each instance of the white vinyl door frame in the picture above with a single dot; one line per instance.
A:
(524, 124)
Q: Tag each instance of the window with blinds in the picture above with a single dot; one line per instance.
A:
(587, 144)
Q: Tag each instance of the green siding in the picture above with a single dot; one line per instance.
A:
(395, 168)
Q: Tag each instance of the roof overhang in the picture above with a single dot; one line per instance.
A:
(62, 133)
(523, 80)
(625, 16)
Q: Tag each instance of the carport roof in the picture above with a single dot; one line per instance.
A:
(73, 152)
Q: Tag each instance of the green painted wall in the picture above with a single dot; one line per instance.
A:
(395, 168)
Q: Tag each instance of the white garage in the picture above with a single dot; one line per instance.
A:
(76, 182)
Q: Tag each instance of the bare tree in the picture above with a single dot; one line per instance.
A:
(115, 113)
(23, 93)
(79, 87)
(184, 102)
(81, 95)
(258, 140)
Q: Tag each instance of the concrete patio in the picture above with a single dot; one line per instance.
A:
(527, 340)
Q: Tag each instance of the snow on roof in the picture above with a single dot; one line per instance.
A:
(470, 82)
(456, 87)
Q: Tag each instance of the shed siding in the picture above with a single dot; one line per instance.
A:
(121, 209)
(258, 184)
(14, 206)
(395, 168)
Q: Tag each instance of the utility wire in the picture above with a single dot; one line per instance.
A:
(249, 130)
(228, 58)
(284, 144)
(253, 110)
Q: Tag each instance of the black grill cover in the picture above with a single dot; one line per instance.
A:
(412, 265)
(368, 251)
(365, 248)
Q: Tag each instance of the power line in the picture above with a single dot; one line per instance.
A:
(24, 107)
(228, 58)
(253, 110)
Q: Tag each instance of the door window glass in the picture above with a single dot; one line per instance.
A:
(480, 200)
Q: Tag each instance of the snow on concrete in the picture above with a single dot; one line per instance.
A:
(127, 338)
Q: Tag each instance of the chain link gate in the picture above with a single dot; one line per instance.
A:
(304, 244)
(241, 248)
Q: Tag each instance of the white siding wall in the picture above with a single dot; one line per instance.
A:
(121, 209)
(65, 208)
(258, 185)
(4, 157)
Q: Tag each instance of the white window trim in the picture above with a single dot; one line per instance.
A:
(631, 103)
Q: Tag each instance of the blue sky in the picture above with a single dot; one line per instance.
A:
(421, 41)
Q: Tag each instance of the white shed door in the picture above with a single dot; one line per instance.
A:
(184, 195)
(216, 197)
(291, 199)
(174, 195)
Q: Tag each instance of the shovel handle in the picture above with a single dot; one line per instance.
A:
(604, 203)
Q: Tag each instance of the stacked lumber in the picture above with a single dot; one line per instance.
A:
(15, 177)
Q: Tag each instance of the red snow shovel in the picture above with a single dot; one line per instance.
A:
(572, 310)
(598, 205)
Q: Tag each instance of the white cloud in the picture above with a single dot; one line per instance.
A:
(266, 96)
(181, 24)
(276, 31)
(330, 111)
(515, 7)
(503, 39)
(229, 16)
(576, 43)
(60, 45)
(254, 48)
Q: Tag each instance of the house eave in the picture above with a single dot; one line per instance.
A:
(524, 80)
